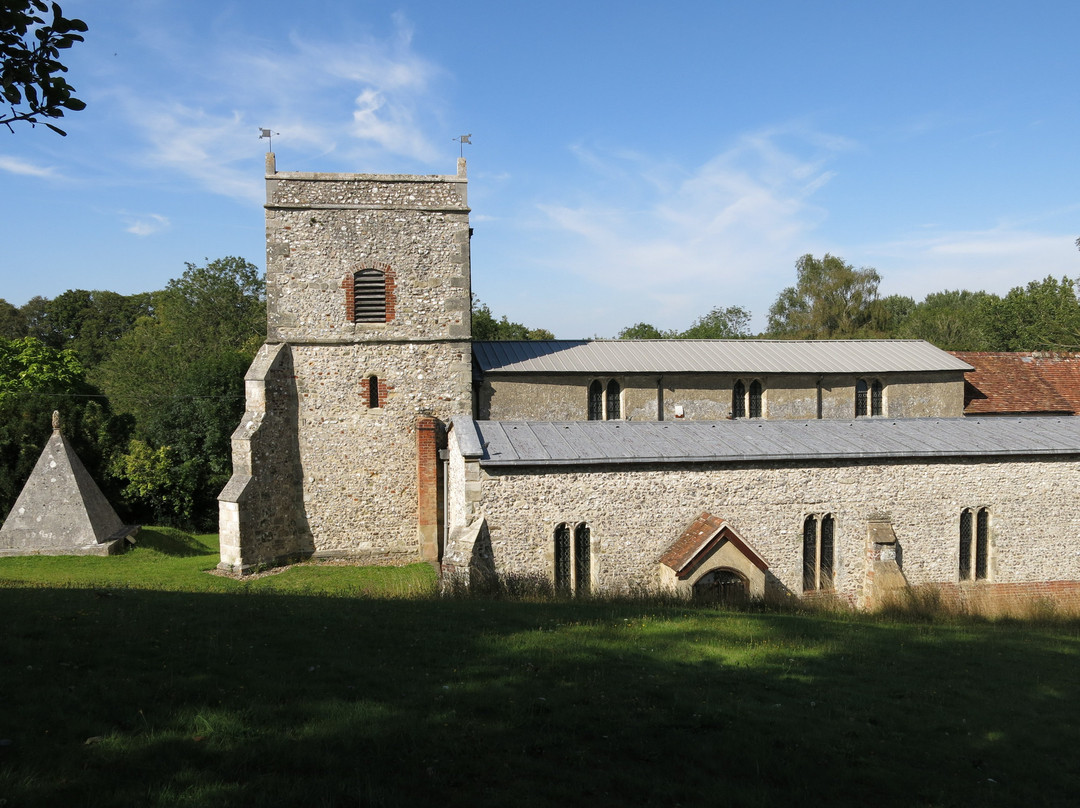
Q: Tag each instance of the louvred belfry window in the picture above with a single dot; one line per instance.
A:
(369, 296)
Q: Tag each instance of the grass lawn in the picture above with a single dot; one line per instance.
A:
(143, 680)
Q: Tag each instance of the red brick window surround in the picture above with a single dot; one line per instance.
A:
(373, 392)
(370, 295)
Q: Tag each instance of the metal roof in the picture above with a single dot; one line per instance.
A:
(713, 356)
(534, 443)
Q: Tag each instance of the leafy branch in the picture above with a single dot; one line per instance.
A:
(30, 69)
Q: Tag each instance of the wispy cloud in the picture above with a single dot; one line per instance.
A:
(679, 241)
(146, 224)
(349, 97)
(994, 260)
(16, 165)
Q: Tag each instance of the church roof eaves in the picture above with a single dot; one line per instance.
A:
(713, 356)
(536, 443)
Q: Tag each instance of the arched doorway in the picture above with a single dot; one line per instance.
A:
(724, 586)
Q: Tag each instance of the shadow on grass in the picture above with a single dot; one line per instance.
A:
(171, 542)
(263, 699)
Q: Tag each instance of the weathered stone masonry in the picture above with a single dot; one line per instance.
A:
(316, 469)
(635, 513)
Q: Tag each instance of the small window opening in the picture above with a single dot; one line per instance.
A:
(860, 398)
(373, 392)
(614, 395)
(974, 544)
(875, 398)
(573, 559)
(738, 400)
(596, 401)
(819, 552)
(755, 399)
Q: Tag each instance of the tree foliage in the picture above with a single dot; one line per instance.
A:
(88, 322)
(830, 300)
(1042, 316)
(36, 379)
(486, 327)
(732, 322)
(180, 373)
(645, 331)
(31, 79)
(951, 320)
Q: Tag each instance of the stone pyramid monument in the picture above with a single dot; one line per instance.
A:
(61, 510)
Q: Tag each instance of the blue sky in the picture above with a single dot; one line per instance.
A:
(630, 161)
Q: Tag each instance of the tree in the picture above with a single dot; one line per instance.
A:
(30, 79)
(645, 331)
(12, 321)
(1043, 316)
(951, 320)
(180, 373)
(35, 380)
(89, 323)
(830, 300)
(732, 322)
(486, 327)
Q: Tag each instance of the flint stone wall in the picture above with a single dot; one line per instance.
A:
(321, 228)
(636, 512)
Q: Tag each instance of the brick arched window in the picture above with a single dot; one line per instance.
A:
(373, 392)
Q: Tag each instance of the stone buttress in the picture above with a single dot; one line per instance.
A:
(367, 356)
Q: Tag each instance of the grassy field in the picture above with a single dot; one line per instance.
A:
(144, 680)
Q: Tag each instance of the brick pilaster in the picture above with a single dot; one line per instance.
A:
(427, 486)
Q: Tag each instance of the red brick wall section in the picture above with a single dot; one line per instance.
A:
(1061, 593)
(427, 486)
(391, 295)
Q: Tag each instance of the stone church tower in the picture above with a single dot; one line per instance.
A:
(367, 357)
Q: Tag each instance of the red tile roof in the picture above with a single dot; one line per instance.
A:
(1021, 383)
(699, 540)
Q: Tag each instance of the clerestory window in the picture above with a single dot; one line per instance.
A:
(605, 403)
(869, 398)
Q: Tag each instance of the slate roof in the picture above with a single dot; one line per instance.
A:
(575, 443)
(1016, 383)
(713, 356)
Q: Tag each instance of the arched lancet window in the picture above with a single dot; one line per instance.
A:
(860, 398)
(563, 566)
(369, 296)
(819, 552)
(596, 401)
(373, 391)
(875, 398)
(614, 394)
(738, 400)
(974, 544)
(755, 399)
(582, 559)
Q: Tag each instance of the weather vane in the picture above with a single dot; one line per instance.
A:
(268, 134)
(462, 140)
